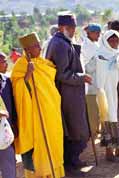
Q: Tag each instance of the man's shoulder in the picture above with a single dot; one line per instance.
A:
(58, 41)
(88, 45)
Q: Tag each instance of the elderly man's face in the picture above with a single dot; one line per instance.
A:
(3, 64)
(70, 30)
(34, 51)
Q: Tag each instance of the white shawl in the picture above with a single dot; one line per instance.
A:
(107, 73)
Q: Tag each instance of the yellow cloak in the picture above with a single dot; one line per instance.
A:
(30, 131)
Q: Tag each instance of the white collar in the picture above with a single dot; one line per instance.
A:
(3, 76)
(3, 82)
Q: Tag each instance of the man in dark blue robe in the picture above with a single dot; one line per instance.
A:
(70, 81)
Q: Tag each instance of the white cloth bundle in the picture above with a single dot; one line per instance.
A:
(6, 134)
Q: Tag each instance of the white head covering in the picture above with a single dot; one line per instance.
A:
(107, 74)
(105, 49)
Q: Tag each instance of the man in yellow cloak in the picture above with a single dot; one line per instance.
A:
(30, 78)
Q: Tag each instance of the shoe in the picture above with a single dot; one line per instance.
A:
(109, 155)
(117, 152)
(111, 158)
(70, 171)
(80, 164)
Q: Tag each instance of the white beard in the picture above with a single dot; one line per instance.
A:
(66, 34)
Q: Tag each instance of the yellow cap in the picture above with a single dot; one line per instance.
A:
(29, 40)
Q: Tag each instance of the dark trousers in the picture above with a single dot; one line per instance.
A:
(72, 151)
(27, 160)
(8, 163)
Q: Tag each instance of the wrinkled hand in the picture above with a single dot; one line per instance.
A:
(4, 113)
(87, 79)
(30, 69)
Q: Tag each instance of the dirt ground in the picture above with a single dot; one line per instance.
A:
(104, 169)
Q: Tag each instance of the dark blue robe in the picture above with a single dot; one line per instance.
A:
(7, 156)
(71, 86)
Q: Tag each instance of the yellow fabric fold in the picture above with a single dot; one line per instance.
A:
(30, 131)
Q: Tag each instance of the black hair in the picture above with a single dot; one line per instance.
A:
(115, 25)
(13, 49)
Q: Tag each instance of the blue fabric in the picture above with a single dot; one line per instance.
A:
(70, 85)
(7, 156)
(8, 163)
(112, 64)
(67, 20)
(94, 27)
(72, 151)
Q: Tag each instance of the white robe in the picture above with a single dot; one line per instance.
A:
(107, 75)
(45, 46)
(88, 51)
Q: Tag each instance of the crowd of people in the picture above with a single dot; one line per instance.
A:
(51, 100)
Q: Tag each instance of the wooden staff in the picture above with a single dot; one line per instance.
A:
(94, 149)
(42, 124)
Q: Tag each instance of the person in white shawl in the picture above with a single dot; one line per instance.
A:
(89, 49)
(107, 77)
